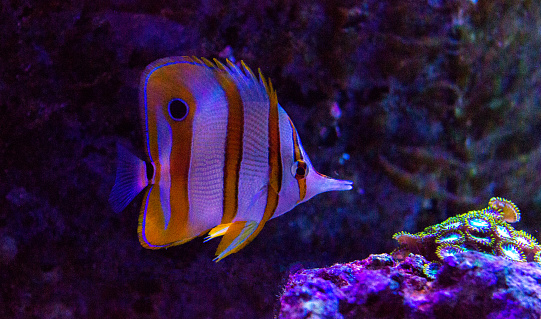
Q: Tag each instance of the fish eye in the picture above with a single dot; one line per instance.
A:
(178, 109)
(299, 169)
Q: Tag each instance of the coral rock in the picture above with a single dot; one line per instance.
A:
(467, 285)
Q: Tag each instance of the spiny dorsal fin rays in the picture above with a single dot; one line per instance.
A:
(244, 72)
(195, 59)
(233, 67)
(263, 96)
(273, 98)
(252, 89)
(219, 64)
(248, 71)
(262, 80)
(243, 81)
(208, 63)
(268, 87)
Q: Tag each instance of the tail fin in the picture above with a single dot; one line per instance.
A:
(130, 179)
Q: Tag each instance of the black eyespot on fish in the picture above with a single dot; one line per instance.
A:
(299, 169)
(150, 170)
(178, 109)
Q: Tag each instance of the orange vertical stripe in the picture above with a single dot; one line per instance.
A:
(179, 169)
(233, 146)
(162, 85)
(275, 160)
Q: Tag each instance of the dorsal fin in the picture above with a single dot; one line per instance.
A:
(239, 73)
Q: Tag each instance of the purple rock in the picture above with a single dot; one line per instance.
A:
(469, 285)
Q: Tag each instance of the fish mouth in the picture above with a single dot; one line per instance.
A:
(331, 184)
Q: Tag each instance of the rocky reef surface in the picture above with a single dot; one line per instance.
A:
(468, 285)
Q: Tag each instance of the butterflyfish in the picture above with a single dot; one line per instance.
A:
(222, 156)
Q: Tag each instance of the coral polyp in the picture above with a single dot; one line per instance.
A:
(511, 251)
(523, 239)
(450, 237)
(537, 257)
(485, 240)
(430, 270)
(508, 210)
(451, 223)
(479, 223)
(449, 250)
(503, 230)
(487, 230)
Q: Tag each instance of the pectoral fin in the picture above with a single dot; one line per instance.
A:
(217, 231)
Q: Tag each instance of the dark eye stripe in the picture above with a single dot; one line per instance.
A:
(301, 170)
(297, 156)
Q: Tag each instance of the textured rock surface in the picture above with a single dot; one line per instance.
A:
(469, 285)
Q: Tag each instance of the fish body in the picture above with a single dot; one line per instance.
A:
(222, 155)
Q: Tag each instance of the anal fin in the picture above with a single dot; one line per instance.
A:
(235, 238)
